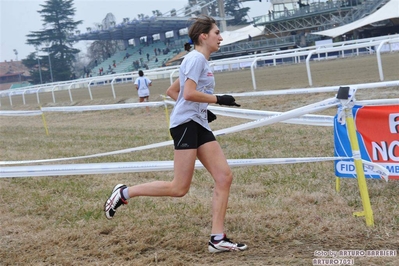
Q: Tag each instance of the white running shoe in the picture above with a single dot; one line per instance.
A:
(114, 201)
(224, 245)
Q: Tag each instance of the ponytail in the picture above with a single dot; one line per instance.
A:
(187, 45)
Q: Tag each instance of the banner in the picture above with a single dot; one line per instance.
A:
(378, 134)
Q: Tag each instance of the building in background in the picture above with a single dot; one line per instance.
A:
(13, 74)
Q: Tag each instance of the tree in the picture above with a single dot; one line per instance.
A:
(31, 62)
(58, 23)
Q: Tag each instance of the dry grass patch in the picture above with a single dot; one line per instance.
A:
(283, 212)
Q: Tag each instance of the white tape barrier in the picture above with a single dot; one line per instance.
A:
(234, 112)
(258, 123)
(312, 120)
(101, 107)
(261, 122)
(319, 106)
(130, 167)
(141, 148)
(319, 89)
(82, 108)
(152, 166)
(376, 168)
(20, 113)
(253, 124)
(378, 102)
(315, 120)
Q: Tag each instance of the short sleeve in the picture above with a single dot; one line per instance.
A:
(193, 69)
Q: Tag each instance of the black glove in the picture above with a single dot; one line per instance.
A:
(211, 116)
(226, 100)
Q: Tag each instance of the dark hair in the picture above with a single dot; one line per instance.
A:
(187, 46)
(141, 73)
(202, 24)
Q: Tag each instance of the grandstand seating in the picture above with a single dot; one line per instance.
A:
(290, 29)
(124, 64)
(20, 85)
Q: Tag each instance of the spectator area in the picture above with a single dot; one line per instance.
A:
(135, 58)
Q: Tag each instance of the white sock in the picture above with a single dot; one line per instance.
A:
(217, 237)
(125, 193)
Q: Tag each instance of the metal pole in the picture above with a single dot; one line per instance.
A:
(38, 62)
(49, 61)
(40, 70)
(222, 15)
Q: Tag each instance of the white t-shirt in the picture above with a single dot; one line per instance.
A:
(143, 83)
(194, 67)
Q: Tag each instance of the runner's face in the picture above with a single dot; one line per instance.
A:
(213, 38)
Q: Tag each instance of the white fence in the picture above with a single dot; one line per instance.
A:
(353, 47)
(301, 115)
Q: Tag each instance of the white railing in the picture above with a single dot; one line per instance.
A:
(379, 61)
(371, 44)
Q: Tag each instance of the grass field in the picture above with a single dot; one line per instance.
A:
(284, 213)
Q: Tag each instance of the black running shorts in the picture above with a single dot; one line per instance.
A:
(190, 135)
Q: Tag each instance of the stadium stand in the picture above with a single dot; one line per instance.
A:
(137, 58)
(288, 24)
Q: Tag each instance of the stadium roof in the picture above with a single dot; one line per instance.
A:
(230, 37)
(136, 29)
(389, 11)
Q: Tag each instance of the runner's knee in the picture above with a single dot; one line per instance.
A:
(225, 179)
(179, 191)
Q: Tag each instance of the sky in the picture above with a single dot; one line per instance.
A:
(20, 17)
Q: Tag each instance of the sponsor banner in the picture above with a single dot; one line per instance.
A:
(378, 136)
